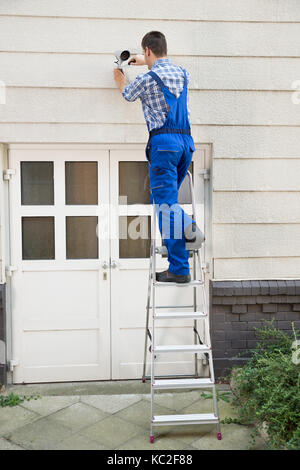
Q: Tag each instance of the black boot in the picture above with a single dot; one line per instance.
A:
(167, 276)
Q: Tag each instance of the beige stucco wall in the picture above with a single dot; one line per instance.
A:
(56, 61)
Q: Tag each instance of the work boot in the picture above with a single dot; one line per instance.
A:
(193, 236)
(167, 276)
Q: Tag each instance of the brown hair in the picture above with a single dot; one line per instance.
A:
(156, 41)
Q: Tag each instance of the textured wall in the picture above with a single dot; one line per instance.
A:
(56, 61)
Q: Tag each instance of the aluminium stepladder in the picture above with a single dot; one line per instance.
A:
(199, 346)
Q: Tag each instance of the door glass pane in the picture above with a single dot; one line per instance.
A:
(134, 183)
(81, 182)
(184, 194)
(81, 237)
(37, 185)
(38, 238)
(134, 236)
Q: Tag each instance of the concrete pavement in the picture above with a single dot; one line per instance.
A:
(103, 415)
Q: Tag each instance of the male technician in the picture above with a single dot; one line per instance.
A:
(164, 96)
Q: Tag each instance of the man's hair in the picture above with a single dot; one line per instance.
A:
(156, 41)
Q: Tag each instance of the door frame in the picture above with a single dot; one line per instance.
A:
(93, 321)
(5, 217)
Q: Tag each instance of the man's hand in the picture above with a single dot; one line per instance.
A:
(137, 60)
(119, 79)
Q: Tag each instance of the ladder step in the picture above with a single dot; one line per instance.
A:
(182, 383)
(184, 284)
(167, 315)
(172, 306)
(191, 348)
(202, 418)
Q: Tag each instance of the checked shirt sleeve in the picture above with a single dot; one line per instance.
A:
(135, 89)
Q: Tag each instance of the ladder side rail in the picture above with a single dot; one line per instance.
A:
(192, 195)
(191, 186)
(147, 312)
(201, 278)
(195, 310)
(153, 234)
(215, 398)
(204, 304)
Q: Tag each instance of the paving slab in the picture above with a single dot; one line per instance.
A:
(42, 434)
(78, 416)
(186, 434)
(139, 413)
(6, 445)
(206, 406)
(46, 405)
(112, 432)
(14, 417)
(116, 422)
(161, 442)
(175, 401)
(234, 437)
(79, 442)
(111, 403)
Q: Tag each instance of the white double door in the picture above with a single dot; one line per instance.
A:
(79, 237)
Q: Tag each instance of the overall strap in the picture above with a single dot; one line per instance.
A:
(157, 79)
(185, 77)
(161, 83)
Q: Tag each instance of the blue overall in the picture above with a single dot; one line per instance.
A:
(169, 152)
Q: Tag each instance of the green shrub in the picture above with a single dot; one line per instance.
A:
(266, 390)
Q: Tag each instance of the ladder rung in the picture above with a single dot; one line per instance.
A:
(167, 315)
(202, 418)
(192, 348)
(182, 383)
(172, 306)
(172, 376)
(184, 284)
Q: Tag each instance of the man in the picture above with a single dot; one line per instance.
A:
(163, 93)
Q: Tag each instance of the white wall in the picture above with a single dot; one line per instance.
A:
(56, 61)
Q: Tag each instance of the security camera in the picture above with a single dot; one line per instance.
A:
(123, 58)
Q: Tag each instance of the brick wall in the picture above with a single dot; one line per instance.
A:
(238, 306)
(2, 336)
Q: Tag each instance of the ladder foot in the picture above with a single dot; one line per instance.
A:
(151, 439)
(143, 380)
(219, 436)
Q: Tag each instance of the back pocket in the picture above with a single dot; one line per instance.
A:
(166, 155)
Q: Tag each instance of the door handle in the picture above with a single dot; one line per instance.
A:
(105, 265)
(114, 264)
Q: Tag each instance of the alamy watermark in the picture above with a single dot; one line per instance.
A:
(129, 222)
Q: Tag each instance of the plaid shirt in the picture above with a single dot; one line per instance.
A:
(148, 91)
